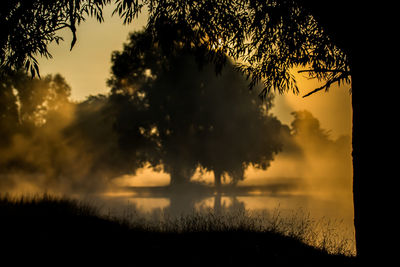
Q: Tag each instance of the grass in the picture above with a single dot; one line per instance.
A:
(62, 228)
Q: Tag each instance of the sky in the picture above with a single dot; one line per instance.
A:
(87, 68)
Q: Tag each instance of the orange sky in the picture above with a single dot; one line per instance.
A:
(87, 67)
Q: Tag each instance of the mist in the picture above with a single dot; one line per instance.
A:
(51, 144)
(322, 164)
(169, 118)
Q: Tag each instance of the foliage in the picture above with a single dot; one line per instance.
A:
(9, 115)
(29, 26)
(93, 136)
(266, 38)
(305, 125)
(52, 143)
(28, 102)
(193, 117)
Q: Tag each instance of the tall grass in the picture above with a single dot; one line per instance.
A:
(322, 234)
(45, 204)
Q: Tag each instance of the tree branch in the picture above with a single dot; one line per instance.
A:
(327, 84)
(315, 90)
(72, 21)
(343, 72)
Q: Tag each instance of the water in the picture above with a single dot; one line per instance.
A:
(330, 216)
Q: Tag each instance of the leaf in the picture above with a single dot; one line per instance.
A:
(37, 69)
(27, 64)
(73, 37)
(32, 72)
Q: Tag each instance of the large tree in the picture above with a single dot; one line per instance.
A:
(193, 117)
(269, 37)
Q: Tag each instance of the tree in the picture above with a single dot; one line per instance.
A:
(55, 144)
(193, 117)
(96, 153)
(29, 107)
(9, 117)
(305, 124)
(28, 101)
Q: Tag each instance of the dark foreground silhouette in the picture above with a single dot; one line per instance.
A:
(53, 231)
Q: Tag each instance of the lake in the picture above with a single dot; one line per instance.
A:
(329, 215)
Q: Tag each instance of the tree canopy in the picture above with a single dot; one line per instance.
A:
(29, 26)
(193, 117)
(267, 39)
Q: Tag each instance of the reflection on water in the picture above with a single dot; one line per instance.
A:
(336, 212)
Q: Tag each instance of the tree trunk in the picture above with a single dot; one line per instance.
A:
(181, 173)
(217, 178)
(180, 176)
(357, 174)
(352, 35)
(217, 203)
(176, 179)
(369, 160)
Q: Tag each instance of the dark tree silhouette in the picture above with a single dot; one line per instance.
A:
(94, 141)
(195, 118)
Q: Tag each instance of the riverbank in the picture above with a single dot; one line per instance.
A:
(61, 229)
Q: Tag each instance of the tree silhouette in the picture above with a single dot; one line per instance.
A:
(193, 117)
(95, 145)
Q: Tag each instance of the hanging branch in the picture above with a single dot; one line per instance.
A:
(344, 76)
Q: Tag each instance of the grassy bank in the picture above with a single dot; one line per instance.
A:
(53, 228)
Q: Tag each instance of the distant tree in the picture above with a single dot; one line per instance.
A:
(30, 106)
(9, 118)
(38, 97)
(61, 145)
(305, 124)
(28, 101)
(193, 117)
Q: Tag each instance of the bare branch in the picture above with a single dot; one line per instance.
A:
(328, 84)
(315, 90)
